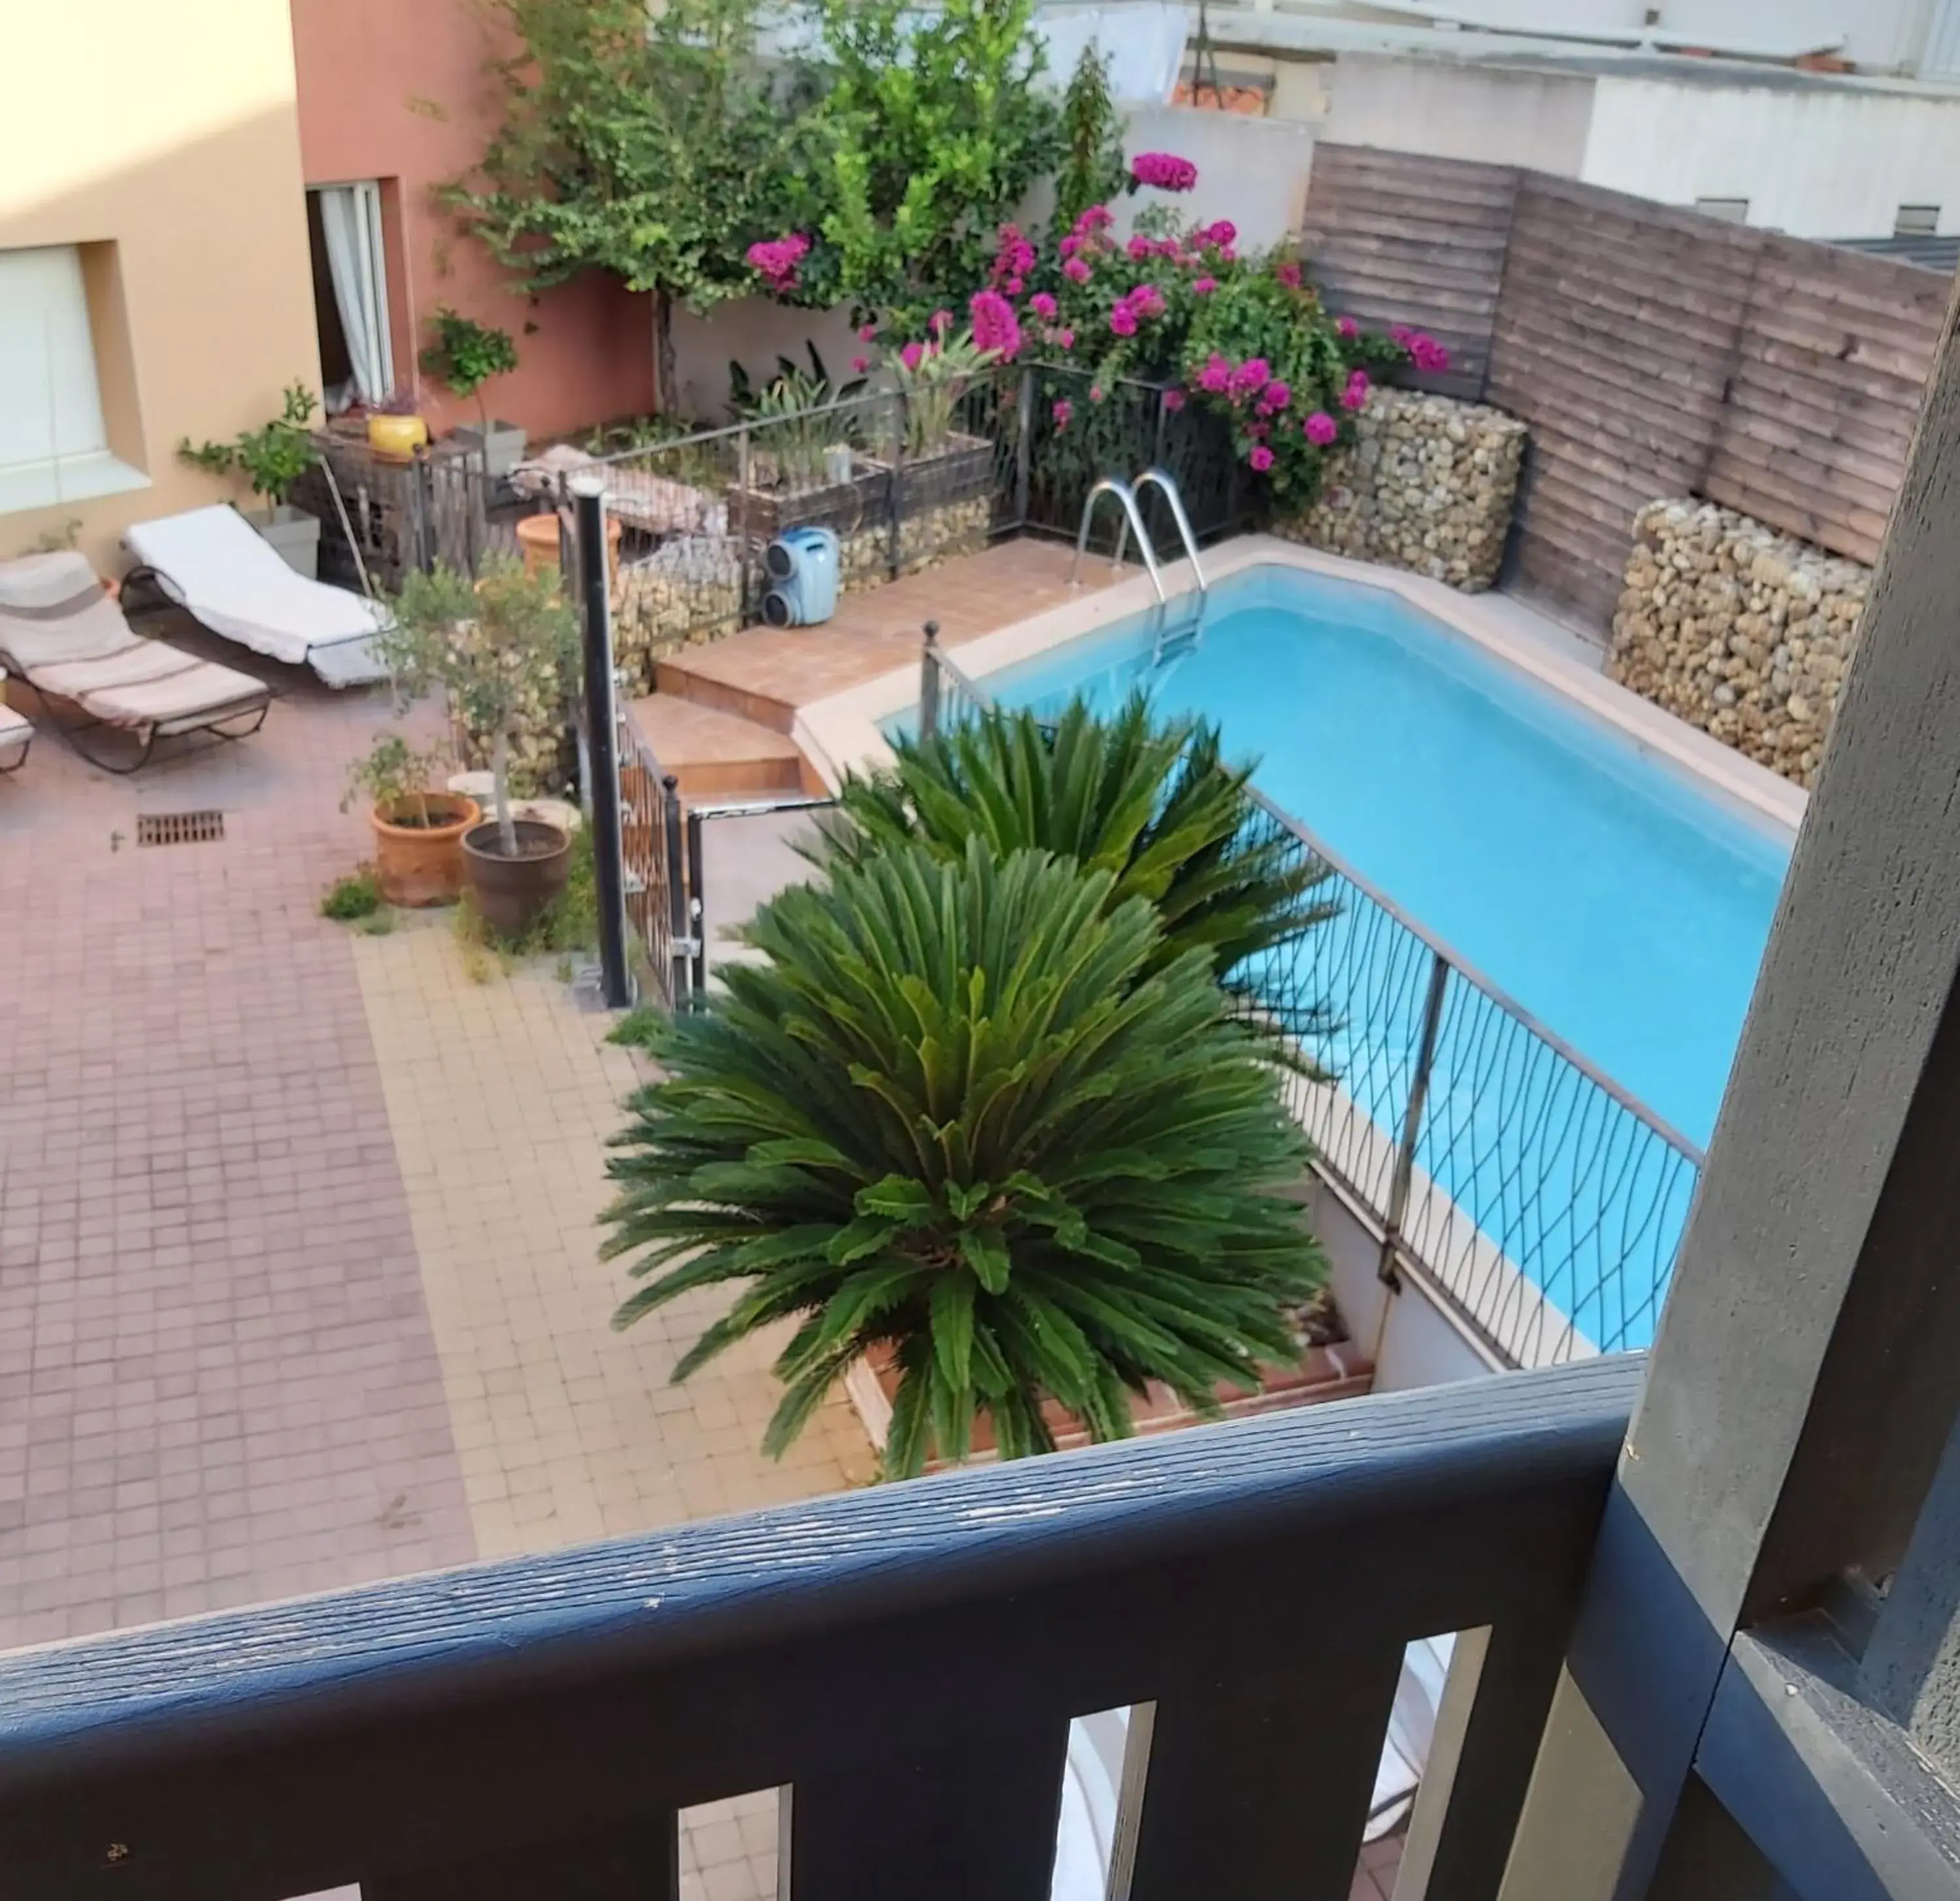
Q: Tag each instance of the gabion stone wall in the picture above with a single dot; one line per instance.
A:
(1429, 487)
(1742, 631)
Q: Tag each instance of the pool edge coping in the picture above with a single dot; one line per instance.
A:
(843, 733)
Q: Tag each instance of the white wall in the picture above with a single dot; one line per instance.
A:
(754, 331)
(1251, 170)
(1815, 162)
(1460, 111)
(1413, 1344)
(1876, 33)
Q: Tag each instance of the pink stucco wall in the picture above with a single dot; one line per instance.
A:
(397, 90)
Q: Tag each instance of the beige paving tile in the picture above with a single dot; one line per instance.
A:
(501, 1098)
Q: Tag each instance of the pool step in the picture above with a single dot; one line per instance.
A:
(717, 753)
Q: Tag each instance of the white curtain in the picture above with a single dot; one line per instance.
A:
(350, 217)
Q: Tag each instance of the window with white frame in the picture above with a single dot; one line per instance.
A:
(54, 444)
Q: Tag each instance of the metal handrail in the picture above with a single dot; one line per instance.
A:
(1126, 500)
(1166, 485)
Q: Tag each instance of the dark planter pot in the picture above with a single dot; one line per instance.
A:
(511, 893)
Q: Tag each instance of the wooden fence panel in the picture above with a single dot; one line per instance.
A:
(1392, 237)
(1652, 352)
(1616, 335)
(1826, 389)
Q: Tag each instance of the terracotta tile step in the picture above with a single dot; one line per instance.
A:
(717, 754)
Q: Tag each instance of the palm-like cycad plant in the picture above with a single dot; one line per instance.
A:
(1152, 804)
(968, 1112)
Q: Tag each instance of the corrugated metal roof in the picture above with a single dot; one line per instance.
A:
(1940, 254)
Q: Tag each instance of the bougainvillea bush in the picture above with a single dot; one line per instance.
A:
(1178, 305)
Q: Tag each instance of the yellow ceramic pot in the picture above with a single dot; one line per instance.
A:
(399, 436)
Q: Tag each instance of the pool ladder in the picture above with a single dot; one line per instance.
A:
(1126, 494)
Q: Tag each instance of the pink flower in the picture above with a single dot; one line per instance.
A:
(1401, 333)
(1216, 377)
(911, 355)
(776, 259)
(1042, 305)
(1070, 245)
(1140, 248)
(1355, 396)
(1278, 394)
(1063, 410)
(1205, 286)
(1228, 254)
(1321, 428)
(1075, 270)
(1013, 258)
(1098, 217)
(1165, 170)
(995, 327)
(1147, 300)
(1254, 373)
(1428, 354)
(1346, 327)
(860, 364)
(1288, 274)
(1065, 339)
(1222, 233)
(1261, 458)
(1123, 320)
(1173, 400)
(866, 331)
(1095, 393)
(942, 321)
(1011, 286)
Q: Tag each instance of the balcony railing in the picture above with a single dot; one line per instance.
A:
(904, 1660)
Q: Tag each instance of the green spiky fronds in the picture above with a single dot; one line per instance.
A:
(969, 1111)
(1152, 804)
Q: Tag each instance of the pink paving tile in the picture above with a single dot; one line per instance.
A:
(217, 1378)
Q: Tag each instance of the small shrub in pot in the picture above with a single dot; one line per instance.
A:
(485, 643)
(418, 827)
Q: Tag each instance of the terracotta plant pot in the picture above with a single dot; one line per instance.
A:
(396, 437)
(538, 539)
(416, 864)
(512, 893)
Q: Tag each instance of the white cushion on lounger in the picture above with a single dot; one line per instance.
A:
(234, 581)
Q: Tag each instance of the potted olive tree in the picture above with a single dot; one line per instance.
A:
(418, 831)
(272, 459)
(486, 643)
(464, 356)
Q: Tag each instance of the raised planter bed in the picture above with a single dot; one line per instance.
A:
(1331, 1367)
(764, 512)
(960, 471)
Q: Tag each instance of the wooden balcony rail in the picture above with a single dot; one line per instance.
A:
(905, 1660)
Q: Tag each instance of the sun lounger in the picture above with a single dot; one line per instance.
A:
(17, 734)
(61, 633)
(214, 565)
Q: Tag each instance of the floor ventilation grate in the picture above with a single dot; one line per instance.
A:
(179, 828)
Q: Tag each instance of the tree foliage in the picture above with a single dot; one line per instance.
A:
(935, 125)
(1152, 804)
(967, 1112)
(655, 143)
(1091, 170)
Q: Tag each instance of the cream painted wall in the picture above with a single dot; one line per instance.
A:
(1253, 171)
(1815, 162)
(169, 131)
(1460, 111)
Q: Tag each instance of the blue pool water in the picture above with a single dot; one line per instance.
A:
(1623, 906)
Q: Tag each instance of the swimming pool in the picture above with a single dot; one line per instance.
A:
(1619, 903)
